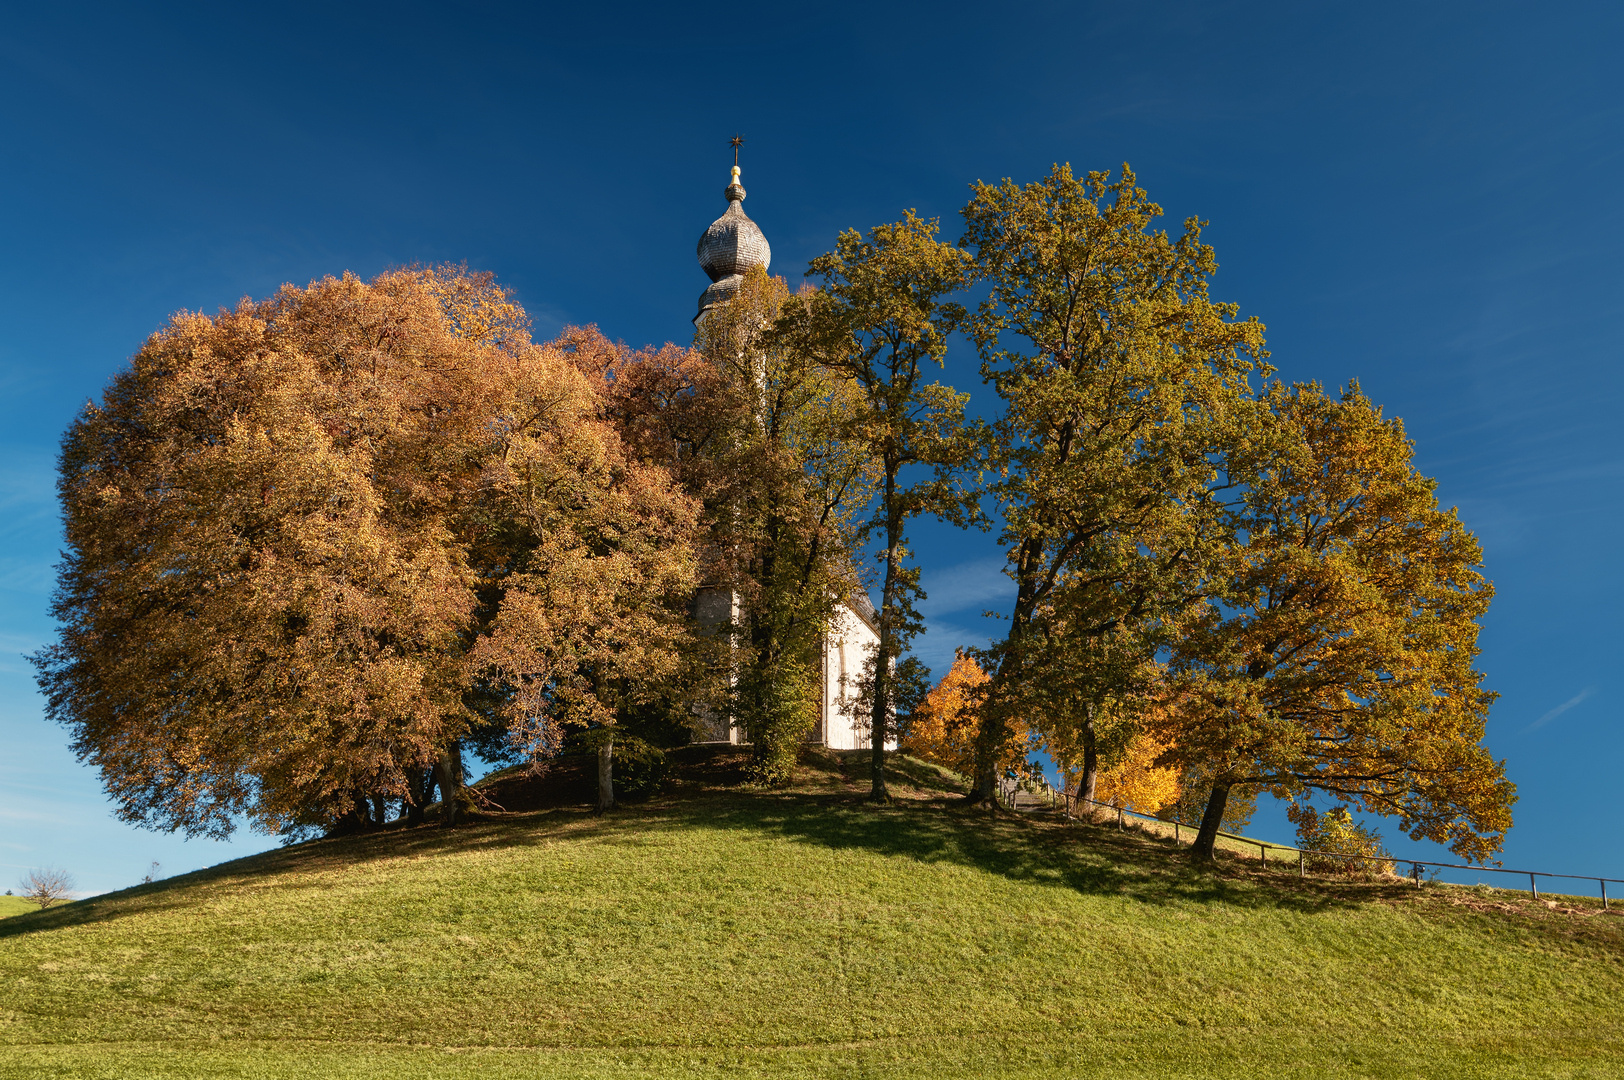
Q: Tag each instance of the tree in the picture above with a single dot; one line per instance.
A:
(880, 320)
(315, 542)
(1336, 832)
(943, 727)
(1337, 654)
(47, 886)
(1108, 755)
(1137, 780)
(1119, 377)
(787, 484)
(674, 409)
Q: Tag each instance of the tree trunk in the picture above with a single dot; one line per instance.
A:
(380, 810)
(606, 775)
(420, 787)
(993, 730)
(1088, 784)
(1207, 835)
(876, 737)
(880, 712)
(357, 818)
(448, 774)
(990, 736)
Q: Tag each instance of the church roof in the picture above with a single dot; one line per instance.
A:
(732, 246)
(863, 608)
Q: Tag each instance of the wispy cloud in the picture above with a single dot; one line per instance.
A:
(978, 584)
(1576, 699)
(956, 596)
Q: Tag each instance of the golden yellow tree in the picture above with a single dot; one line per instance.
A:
(1136, 781)
(943, 728)
(1338, 654)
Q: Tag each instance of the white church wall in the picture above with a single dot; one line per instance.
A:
(847, 647)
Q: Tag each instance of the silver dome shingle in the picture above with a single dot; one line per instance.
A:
(732, 246)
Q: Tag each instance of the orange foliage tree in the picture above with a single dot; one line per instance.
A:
(1136, 781)
(314, 542)
(943, 728)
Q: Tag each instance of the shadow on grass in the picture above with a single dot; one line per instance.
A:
(928, 823)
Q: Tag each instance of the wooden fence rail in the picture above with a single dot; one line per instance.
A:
(1009, 792)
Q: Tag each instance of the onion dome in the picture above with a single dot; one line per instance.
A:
(731, 246)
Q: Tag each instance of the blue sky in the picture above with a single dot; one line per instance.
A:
(1422, 197)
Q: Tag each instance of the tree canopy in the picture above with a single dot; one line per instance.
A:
(1119, 377)
(882, 321)
(1337, 653)
(313, 542)
(317, 545)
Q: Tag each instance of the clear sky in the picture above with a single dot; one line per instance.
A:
(1424, 197)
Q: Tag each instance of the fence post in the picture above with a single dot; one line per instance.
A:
(1119, 819)
(1604, 894)
(1416, 870)
(1176, 837)
(1533, 886)
(1262, 857)
(1302, 865)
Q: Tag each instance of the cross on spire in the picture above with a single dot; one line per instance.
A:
(737, 141)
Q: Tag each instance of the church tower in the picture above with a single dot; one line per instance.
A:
(731, 246)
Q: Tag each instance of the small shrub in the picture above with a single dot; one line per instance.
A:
(48, 886)
(640, 768)
(1336, 831)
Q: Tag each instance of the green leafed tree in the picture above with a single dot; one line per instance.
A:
(786, 484)
(1337, 653)
(882, 319)
(1120, 377)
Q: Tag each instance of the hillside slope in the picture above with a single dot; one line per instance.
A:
(16, 905)
(723, 932)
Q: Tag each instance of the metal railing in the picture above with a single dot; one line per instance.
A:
(1009, 791)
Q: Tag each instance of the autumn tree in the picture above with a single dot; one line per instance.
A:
(943, 728)
(314, 542)
(786, 484)
(882, 320)
(1337, 655)
(675, 411)
(1136, 779)
(1118, 375)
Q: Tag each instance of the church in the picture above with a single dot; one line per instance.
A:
(728, 249)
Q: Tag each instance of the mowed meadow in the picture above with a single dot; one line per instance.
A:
(717, 931)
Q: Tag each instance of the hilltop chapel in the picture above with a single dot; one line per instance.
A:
(732, 246)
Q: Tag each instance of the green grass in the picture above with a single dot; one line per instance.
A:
(729, 933)
(15, 905)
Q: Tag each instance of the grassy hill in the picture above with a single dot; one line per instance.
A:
(15, 905)
(715, 931)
